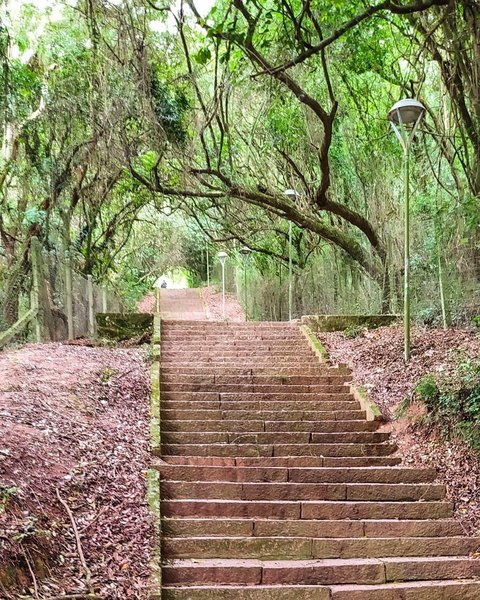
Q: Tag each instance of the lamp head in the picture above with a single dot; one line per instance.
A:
(245, 251)
(222, 256)
(291, 194)
(406, 112)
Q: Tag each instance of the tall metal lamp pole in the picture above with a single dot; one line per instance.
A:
(245, 252)
(222, 256)
(405, 117)
(291, 195)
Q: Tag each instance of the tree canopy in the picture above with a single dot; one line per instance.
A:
(138, 133)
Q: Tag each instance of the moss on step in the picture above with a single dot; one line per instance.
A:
(153, 497)
(315, 344)
(360, 394)
(373, 411)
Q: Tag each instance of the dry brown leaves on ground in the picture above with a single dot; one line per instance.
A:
(376, 360)
(147, 304)
(75, 419)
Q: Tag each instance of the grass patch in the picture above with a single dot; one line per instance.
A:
(452, 401)
(352, 331)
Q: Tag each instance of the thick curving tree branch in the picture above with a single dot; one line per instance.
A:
(278, 205)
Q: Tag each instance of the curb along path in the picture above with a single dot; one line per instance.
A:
(274, 486)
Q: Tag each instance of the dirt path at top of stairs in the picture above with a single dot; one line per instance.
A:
(198, 304)
(182, 304)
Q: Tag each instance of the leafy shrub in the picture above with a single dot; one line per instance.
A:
(352, 332)
(453, 401)
(6, 493)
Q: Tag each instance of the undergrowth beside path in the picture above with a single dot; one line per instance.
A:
(376, 359)
(74, 439)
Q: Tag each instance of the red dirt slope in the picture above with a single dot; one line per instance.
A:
(74, 419)
(376, 358)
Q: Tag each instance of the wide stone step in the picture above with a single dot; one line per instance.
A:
(177, 340)
(232, 345)
(260, 343)
(216, 527)
(182, 339)
(332, 377)
(332, 387)
(298, 475)
(175, 437)
(231, 332)
(218, 325)
(230, 328)
(189, 413)
(213, 354)
(262, 405)
(301, 491)
(343, 450)
(273, 437)
(289, 392)
(276, 380)
(272, 363)
(284, 461)
(267, 358)
(421, 590)
(182, 324)
(176, 337)
(313, 510)
(220, 359)
(258, 592)
(326, 392)
(272, 426)
(248, 372)
(371, 571)
(287, 548)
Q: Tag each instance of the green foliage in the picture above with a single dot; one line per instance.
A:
(106, 375)
(453, 401)
(170, 108)
(94, 97)
(6, 494)
(203, 55)
(352, 332)
(34, 215)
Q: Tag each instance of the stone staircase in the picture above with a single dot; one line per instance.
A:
(274, 485)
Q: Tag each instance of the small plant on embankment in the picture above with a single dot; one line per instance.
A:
(352, 332)
(452, 401)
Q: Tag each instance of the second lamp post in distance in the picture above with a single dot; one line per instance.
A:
(245, 252)
(222, 257)
(291, 195)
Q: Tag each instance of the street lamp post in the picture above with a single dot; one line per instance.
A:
(222, 256)
(405, 117)
(245, 252)
(291, 195)
(208, 266)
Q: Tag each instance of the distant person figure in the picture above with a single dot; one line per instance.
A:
(163, 285)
